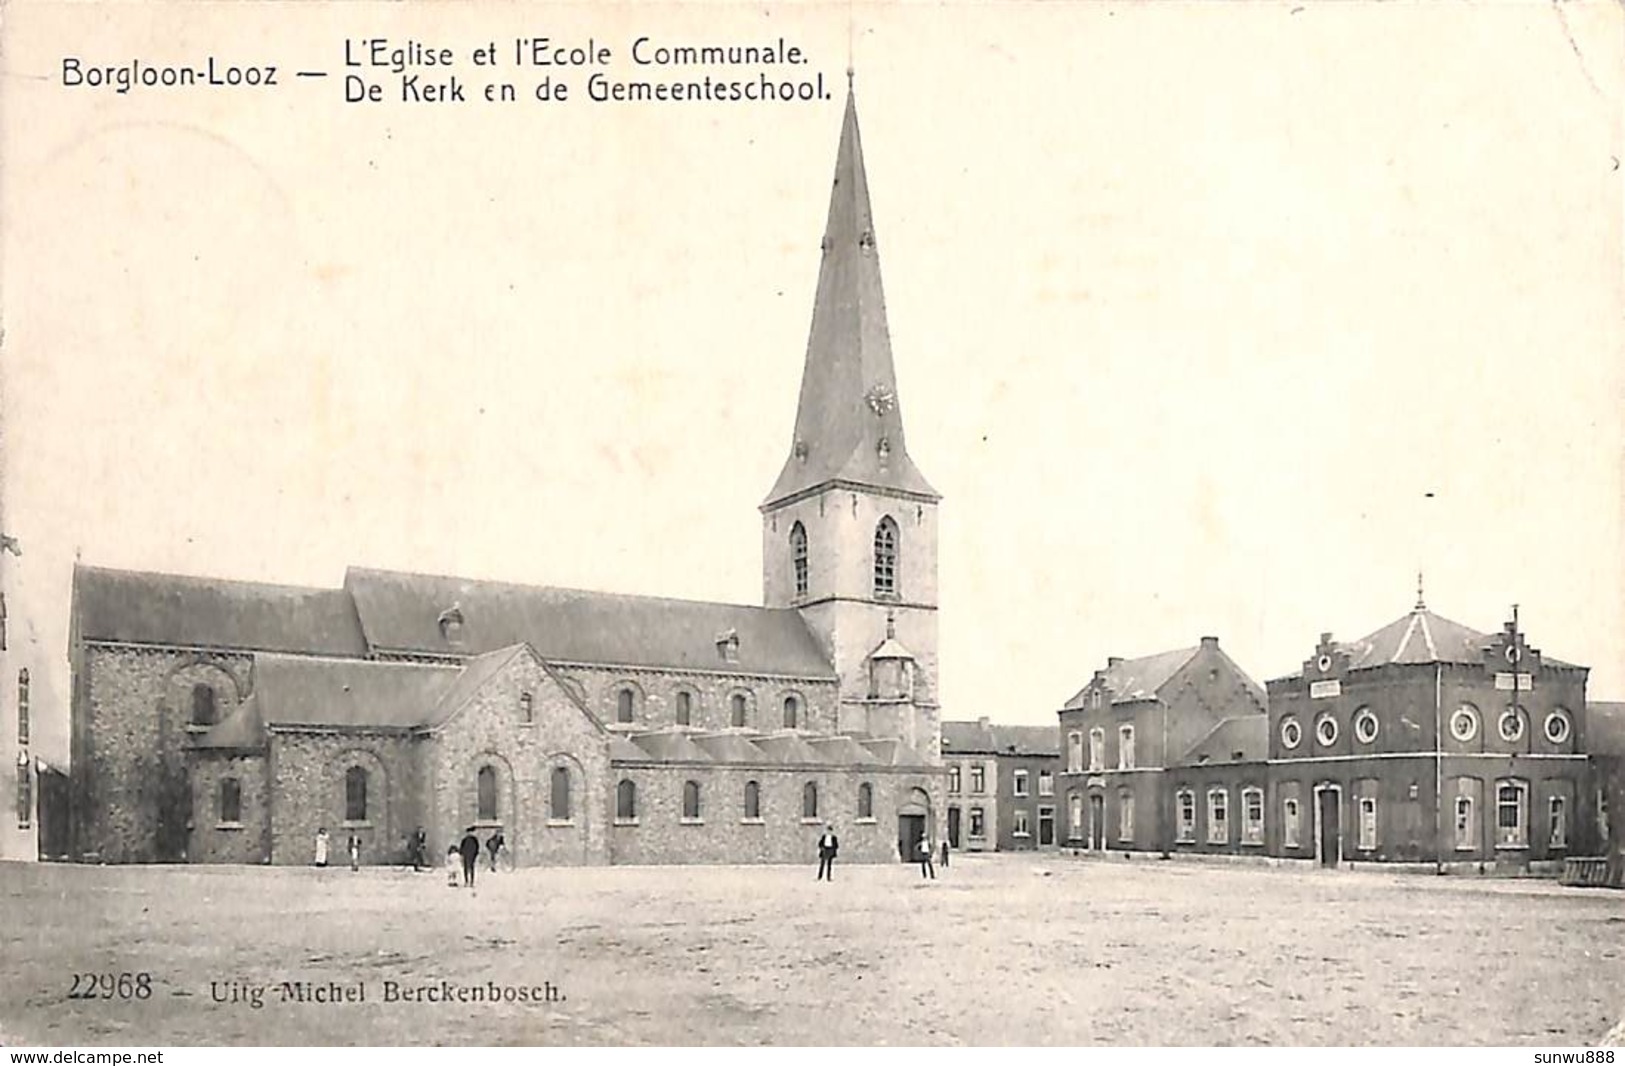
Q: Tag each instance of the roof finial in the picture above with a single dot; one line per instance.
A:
(1421, 605)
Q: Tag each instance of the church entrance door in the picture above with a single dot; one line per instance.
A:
(910, 828)
(1097, 821)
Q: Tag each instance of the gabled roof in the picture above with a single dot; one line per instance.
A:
(849, 424)
(241, 730)
(889, 751)
(841, 751)
(1244, 738)
(1605, 728)
(623, 750)
(1138, 679)
(137, 607)
(299, 691)
(670, 746)
(788, 749)
(986, 738)
(401, 612)
(729, 748)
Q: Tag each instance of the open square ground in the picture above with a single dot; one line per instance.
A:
(999, 950)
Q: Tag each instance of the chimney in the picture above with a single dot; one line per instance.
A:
(983, 722)
(1113, 660)
(1210, 642)
(1325, 639)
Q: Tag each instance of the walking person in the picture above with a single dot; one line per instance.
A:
(829, 845)
(454, 864)
(321, 847)
(420, 849)
(354, 848)
(924, 850)
(944, 853)
(494, 845)
(470, 850)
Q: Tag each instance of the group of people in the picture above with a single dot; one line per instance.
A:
(829, 845)
(464, 855)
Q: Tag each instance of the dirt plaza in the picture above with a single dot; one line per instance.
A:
(999, 950)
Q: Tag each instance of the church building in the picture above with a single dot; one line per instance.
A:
(228, 721)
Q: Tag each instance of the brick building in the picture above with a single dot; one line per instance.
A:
(1001, 785)
(225, 721)
(1430, 741)
(1606, 746)
(1134, 721)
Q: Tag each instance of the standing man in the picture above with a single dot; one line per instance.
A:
(321, 846)
(944, 853)
(354, 848)
(829, 845)
(470, 851)
(420, 849)
(495, 845)
(924, 849)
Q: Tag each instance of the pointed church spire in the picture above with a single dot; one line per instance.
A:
(849, 425)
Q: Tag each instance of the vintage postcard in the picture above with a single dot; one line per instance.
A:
(843, 524)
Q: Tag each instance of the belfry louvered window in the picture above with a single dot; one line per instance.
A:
(886, 557)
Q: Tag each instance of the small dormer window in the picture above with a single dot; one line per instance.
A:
(866, 240)
(728, 646)
(451, 624)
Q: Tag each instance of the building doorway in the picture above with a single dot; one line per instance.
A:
(910, 829)
(953, 828)
(1328, 824)
(1097, 822)
(1046, 827)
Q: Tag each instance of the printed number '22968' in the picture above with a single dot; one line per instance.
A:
(111, 986)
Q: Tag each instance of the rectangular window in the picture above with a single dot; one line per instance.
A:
(977, 826)
(953, 780)
(1464, 824)
(1511, 814)
(1018, 782)
(1559, 809)
(978, 779)
(1368, 823)
(1020, 826)
(1125, 816)
(1074, 753)
(1125, 747)
(1074, 812)
(1046, 783)
(1097, 749)
(25, 794)
(231, 801)
(1186, 802)
(1218, 816)
(1289, 823)
(1252, 816)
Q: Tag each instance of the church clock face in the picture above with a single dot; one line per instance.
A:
(881, 400)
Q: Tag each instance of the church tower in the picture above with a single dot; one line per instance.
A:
(849, 531)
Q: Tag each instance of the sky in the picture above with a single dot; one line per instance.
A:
(1208, 320)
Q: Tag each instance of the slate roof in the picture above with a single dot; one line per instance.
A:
(729, 748)
(241, 730)
(294, 691)
(1244, 738)
(1605, 728)
(400, 612)
(842, 751)
(789, 749)
(1139, 679)
(849, 403)
(137, 607)
(670, 747)
(986, 738)
(1422, 637)
(892, 752)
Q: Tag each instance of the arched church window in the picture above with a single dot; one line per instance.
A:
(792, 708)
(355, 794)
(485, 794)
(202, 704)
(736, 707)
(798, 557)
(866, 800)
(231, 800)
(753, 800)
(809, 800)
(626, 801)
(685, 708)
(559, 805)
(691, 800)
(624, 705)
(886, 557)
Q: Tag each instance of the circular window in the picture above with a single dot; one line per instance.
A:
(1365, 725)
(1510, 724)
(1464, 723)
(1324, 662)
(1514, 653)
(1326, 730)
(1291, 732)
(1558, 726)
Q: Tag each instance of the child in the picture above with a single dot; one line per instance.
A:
(354, 847)
(454, 866)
